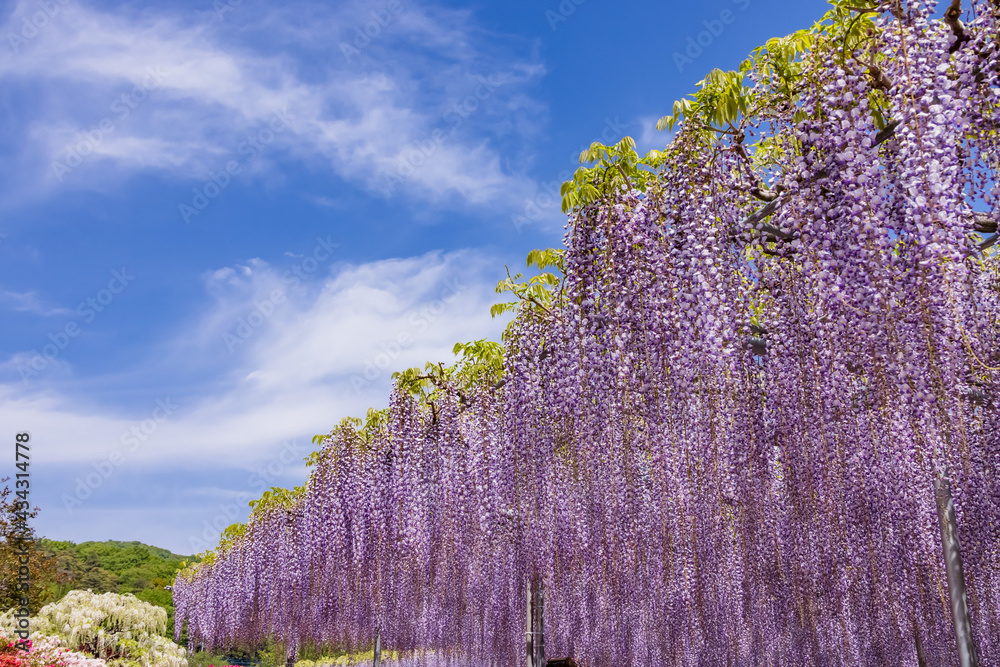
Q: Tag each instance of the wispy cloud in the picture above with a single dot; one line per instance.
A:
(326, 354)
(321, 357)
(113, 95)
(649, 137)
(30, 302)
(179, 94)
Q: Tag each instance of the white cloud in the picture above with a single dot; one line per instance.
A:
(54, 367)
(650, 138)
(182, 95)
(155, 92)
(325, 202)
(29, 302)
(325, 351)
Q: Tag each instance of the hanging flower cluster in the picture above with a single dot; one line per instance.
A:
(717, 438)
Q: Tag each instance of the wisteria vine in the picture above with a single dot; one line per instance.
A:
(716, 440)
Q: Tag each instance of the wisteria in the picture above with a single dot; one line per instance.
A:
(717, 442)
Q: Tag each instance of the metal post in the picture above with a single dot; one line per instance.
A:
(956, 575)
(537, 595)
(540, 611)
(529, 629)
(377, 660)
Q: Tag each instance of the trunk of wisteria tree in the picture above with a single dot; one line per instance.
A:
(290, 659)
(535, 632)
(956, 575)
(377, 658)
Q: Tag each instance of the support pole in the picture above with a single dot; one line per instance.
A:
(540, 625)
(535, 630)
(529, 629)
(377, 659)
(956, 575)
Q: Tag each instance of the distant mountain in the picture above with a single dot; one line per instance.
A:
(118, 567)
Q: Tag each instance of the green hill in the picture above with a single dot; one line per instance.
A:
(117, 567)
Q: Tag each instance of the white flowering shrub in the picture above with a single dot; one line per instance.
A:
(120, 629)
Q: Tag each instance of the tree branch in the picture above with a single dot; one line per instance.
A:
(772, 206)
(888, 133)
(776, 233)
(754, 218)
(983, 223)
(953, 17)
(766, 195)
(895, 7)
(879, 78)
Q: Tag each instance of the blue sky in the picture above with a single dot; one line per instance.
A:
(224, 223)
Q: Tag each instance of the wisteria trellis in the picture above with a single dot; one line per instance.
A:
(719, 444)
